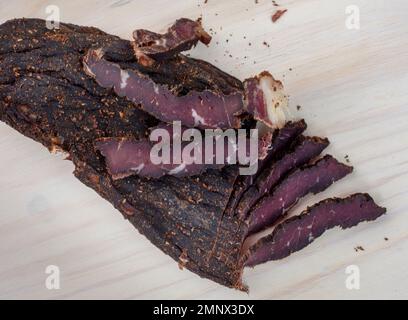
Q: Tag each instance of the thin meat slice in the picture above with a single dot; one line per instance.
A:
(297, 232)
(181, 36)
(313, 178)
(305, 150)
(126, 157)
(281, 139)
(202, 109)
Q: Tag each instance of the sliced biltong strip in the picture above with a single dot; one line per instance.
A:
(281, 138)
(306, 149)
(181, 36)
(313, 178)
(299, 231)
(126, 157)
(264, 98)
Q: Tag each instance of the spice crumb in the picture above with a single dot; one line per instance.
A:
(298, 107)
(386, 239)
(278, 14)
(358, 248)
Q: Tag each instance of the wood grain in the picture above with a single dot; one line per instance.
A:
(351, 86)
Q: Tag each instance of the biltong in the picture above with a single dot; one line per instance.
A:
(45, 95)
(263, 98)
(125, 157)
(306, 149)
(281, 138)
(313, 178)
(181, 36)
(299, 231)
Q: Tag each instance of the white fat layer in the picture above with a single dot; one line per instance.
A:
(275, 100)
(138, 168)
(177, 169)
(124, 76)
(197, 118)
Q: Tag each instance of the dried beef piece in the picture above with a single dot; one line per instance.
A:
(281, 139)
(181, 36)
(54, 102)
(298, 232)
(266, 100)
(205, 109)
(306, 149)
(263, 97)
(125, 157)
(313, 178)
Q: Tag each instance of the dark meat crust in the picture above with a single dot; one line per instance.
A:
(313, 178)
(297, 232)
(45, 95)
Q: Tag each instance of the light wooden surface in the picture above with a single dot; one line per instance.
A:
(352, 86)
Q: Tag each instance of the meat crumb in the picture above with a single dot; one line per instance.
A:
(278, 14)
(358, 248)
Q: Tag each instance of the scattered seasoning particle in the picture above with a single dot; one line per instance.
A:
(266, 44)
(278, 14)
(290, 69)
(275, 4)
(298, 107)
(249, 44)
(386, 239)
(358, 248)
(205, 1)
(346, 157)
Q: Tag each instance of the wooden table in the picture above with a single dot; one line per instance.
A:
(351, 86)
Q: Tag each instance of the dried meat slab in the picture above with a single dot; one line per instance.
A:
(45, 95)
(297, 232)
